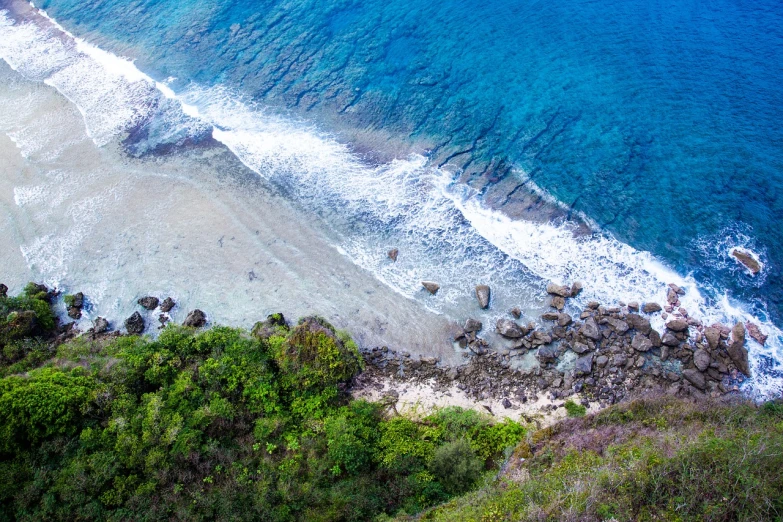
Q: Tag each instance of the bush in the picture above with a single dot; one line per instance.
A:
(574, 410)
(456, 466)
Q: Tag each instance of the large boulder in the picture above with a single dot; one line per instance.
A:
(149, 302)
(702, 360)
(576, 288)
(695, 377)
(746, 259)
(564, 319)
(100, 325)
(617, 325)
(670, 340)
(641, 343)
(472, 325)
(638, 323)
(167, 305)
(584, 365)
(580, 348)
(195, 319)
(590, 329)
(562, 291)
(651, 308)
(755, 332)
(135, 324)
(431, 287)
(482, 294)
(547, 354)
(677, 325)
(737, 350)
(712, 335)
(509, 329)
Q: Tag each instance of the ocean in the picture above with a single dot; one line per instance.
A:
(625, 144)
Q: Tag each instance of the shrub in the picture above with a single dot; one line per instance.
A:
(456, 466)
(574, 410)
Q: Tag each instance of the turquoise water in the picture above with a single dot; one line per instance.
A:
(658, 121)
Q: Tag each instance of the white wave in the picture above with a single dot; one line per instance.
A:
(442, 229)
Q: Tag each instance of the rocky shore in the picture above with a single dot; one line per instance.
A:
(601, 357)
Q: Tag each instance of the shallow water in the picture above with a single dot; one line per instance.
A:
(352, 209)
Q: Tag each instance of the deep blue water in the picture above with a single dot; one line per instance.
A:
(660, 121)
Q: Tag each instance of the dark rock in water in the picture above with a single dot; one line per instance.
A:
(74, 312)
(676, 289)
(564, 319)
(576, 288)
(713, 337)
(677, 325)
(747, 260)
(651, 308)
(638, 323)
(584, 365)
(633, 306)
(695, 377)
(671, 297)
(431, 287)
(196, 319)
(393, 253)
(655, 338)
(100, 325)
(550, 316)
(148, 302)
(3, 290)
(641, 343)
(755, 332)
(482, 294)
(547, 354)
(506, 403)
(78, 300)
(558, 302)
(163, 319)
(737, 350)
(562, 291)
(702, 360)
(472, 325)
(135, 324)
(510, 329)
(580, 348)
(516, 312)
(167, 305)
(590, 329)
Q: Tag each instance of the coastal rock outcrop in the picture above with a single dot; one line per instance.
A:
(135, 324)
(483, 294)
(746, 259)
(509, 329)
(148, 302)
(167, 305)
(195, 319)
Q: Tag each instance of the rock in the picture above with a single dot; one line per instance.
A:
(163, 319)
(195, 319)
(3, 290)
(558, 302)
(651, 308)
(564, 319)
(431, 287)
(670, 340)
(100, 325)
(74, 312)
(576, 288)
(472, 325)
(167, 305)
(516, 312)
(676, 289)
(590, 329)
(619, 360)
(482, 294)
(506, 403)
(737, 350)
(695, 377)
(677, 325)
(558, 290)
(641, 343)
(671, 297)
(601, 361)
(547, 354)
(134, 324)
(633, 306)
(584, 365)
(509, 329)
(746, 259)
(78, 300)
(617, 325)
(702, 360)
(550, 316)
(580, 348)
(755, 332)
(655, 338)
(713, 337)
(638, 323)
(393, 253)
(148, 303)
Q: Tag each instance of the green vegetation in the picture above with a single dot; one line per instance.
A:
(657, 459)
(573, 409)
(218, 425)
(26, 321)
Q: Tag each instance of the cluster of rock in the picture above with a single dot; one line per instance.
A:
(605, 354)
(135, 324)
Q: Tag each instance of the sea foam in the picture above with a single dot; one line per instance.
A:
(442, 229)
